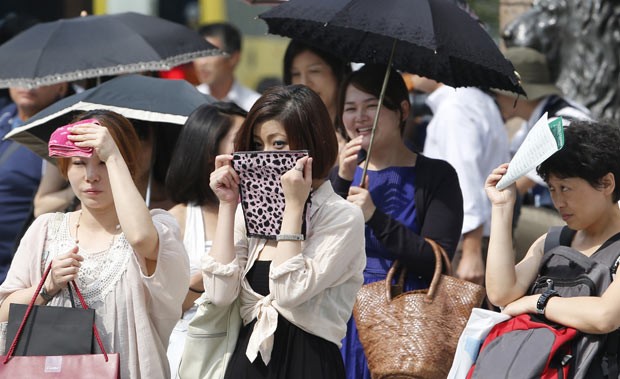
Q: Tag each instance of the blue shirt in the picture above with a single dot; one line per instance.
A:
(20, 175)
(393, 192)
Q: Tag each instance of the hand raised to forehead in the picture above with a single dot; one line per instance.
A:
(96, 136)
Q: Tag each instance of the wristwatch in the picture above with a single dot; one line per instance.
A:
(290, 237)
(541, 304)
(46, 296)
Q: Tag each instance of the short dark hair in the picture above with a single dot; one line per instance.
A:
(229, 34)
(122, 133)
(591, 150)
(194, 155)
(339, 67)
(306, 122)
(369, 79)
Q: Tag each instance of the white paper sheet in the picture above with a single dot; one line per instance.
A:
(539, 144)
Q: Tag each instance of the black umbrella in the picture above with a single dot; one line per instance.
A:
(136, 97)
(431, 38)
(94, 46)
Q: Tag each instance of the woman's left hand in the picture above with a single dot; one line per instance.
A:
(361, 197)
(96, 136)
(297, 182)
(526, 304)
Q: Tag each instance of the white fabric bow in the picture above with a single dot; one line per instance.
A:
(262, 336)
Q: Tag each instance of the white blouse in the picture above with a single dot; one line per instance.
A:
(135, 313)
(314, 290)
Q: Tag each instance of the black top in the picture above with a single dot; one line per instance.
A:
(439, 216)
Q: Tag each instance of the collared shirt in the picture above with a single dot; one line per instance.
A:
(467, 130)
(238, 94)
(314, 290)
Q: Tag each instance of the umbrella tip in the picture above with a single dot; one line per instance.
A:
(83, 13)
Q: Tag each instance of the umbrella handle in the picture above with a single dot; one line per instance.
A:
(376, 120)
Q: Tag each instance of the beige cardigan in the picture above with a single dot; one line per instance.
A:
(135, 314)
(314, 290)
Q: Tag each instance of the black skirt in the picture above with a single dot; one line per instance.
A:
(295, 354)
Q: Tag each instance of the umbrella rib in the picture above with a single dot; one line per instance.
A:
(172, 60)
(45, 47)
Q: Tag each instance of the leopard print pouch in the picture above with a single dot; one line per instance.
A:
(262, 198)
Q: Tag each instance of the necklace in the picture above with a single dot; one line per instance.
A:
(77, 240)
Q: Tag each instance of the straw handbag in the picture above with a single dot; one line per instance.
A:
(414, 334)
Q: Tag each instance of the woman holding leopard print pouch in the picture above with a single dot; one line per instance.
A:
(296, 293)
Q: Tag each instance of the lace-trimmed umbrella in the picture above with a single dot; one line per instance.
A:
(163, 101)
(94, 46)
(431, 38)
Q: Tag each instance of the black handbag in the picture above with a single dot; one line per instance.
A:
(94, 366)
(49, 330)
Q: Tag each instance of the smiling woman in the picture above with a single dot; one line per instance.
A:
(406, 198)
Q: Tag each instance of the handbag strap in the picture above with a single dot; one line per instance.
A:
(441, 260)
(95, 330)
(31, 305)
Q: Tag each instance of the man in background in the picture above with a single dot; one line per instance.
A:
(20, 168)
(468, 132)
(216, 73)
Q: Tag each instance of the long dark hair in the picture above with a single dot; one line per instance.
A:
(194, 155)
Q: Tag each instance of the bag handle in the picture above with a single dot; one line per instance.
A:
(31, 305)
(441, 260)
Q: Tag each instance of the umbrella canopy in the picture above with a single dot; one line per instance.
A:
(431, 38)
(136, 97)
(94, 46)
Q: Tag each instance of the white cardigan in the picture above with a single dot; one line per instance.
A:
(314, 290)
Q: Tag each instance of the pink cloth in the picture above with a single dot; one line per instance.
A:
(60, 146)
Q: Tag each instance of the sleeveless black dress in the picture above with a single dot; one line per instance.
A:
(296, 354)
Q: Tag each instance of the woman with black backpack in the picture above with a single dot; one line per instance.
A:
(566, 278)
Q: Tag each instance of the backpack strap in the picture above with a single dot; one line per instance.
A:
(558, 236)
(609, 253)
(610, 358)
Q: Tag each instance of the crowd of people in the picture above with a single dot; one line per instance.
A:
(146, 264)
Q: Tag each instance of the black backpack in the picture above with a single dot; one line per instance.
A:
(574, 274)
(528, 346)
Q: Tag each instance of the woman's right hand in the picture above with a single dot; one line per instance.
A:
(347, 161)
(65, 268)
(224, 180)
(506, 196)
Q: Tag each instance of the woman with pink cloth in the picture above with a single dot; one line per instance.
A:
(128, 262)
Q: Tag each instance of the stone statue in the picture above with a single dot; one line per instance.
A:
(581, 39)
